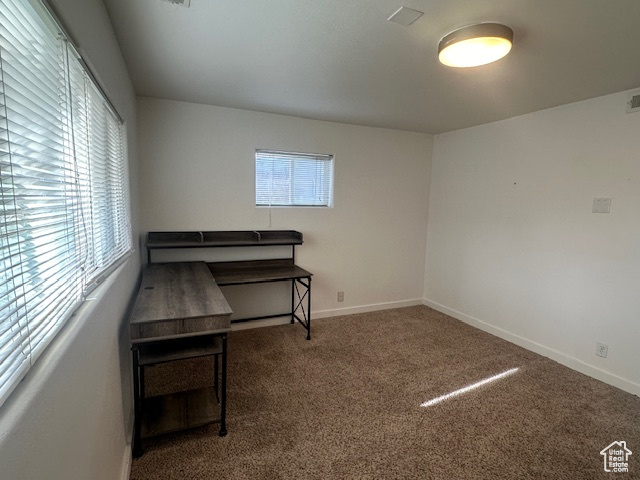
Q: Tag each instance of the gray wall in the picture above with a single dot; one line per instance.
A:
(514, 248)
(199, 174)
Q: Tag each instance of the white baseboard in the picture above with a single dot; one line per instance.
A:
(126, 464)
(562, 358)
(318, 314)
(374, 307)
(266, 322)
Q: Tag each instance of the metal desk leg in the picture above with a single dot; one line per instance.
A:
(216, 379)
(309, 309)
(223, 388)
(305, 319)
(137, 406)
(293, 301)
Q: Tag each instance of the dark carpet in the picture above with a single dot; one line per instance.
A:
(347, 405)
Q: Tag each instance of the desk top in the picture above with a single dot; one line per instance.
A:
(176, 300)
(256, 271)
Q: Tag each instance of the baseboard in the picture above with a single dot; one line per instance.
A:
(266, 322)
(365, 308)
(317, 314)
(562, 358)
(126, 464)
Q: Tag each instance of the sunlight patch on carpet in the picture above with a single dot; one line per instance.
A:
(468, 388)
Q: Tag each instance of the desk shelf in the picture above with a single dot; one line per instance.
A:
(158, 352)
(178, 411)
(216, 239)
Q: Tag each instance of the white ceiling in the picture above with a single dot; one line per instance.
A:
(341, 60)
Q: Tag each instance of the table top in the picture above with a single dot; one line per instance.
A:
(256, 271)
(173, 291)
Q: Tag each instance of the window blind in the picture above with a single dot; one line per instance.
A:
(64, 215)
(293, 179)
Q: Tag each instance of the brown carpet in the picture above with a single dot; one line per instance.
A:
(346, 405)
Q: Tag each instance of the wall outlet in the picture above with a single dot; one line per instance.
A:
(341, 296)
(602, 349)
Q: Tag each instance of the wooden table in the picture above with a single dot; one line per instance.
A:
(249, 271)
(179, 313)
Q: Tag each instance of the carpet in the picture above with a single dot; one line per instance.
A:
(347, 405)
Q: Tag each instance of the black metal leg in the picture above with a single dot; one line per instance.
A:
(223, 388)
(142, 394)
(309, 309)
(216, 383)
(293, 301)
(137, 407)
(305, 318)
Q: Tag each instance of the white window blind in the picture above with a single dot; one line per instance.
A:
(64, 215)
(293, 179)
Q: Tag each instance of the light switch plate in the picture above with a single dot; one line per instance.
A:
(601, 205)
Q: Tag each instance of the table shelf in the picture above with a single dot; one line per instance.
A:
(179, 349)
(178, 411)
(215, 239)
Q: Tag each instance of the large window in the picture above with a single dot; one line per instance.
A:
(64, 214)
(293, 179)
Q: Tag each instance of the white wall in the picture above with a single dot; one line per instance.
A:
(199, 174)
(512, 244)
(70, 418)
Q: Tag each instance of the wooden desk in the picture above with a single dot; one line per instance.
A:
(179, 313)
(249, 271)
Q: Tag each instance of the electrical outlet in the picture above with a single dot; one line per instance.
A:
(602, 349)
(341, 296)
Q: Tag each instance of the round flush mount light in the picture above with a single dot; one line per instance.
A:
(475, 45)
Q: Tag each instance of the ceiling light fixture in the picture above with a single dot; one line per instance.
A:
(475, 45)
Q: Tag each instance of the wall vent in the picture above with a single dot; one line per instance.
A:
(633, 104)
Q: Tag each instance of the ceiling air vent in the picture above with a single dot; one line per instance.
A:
(405, 16)
(184, 3)
(633, 104)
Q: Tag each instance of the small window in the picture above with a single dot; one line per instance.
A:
(293, 179)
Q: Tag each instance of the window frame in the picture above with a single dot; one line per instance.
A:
(327, 167)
